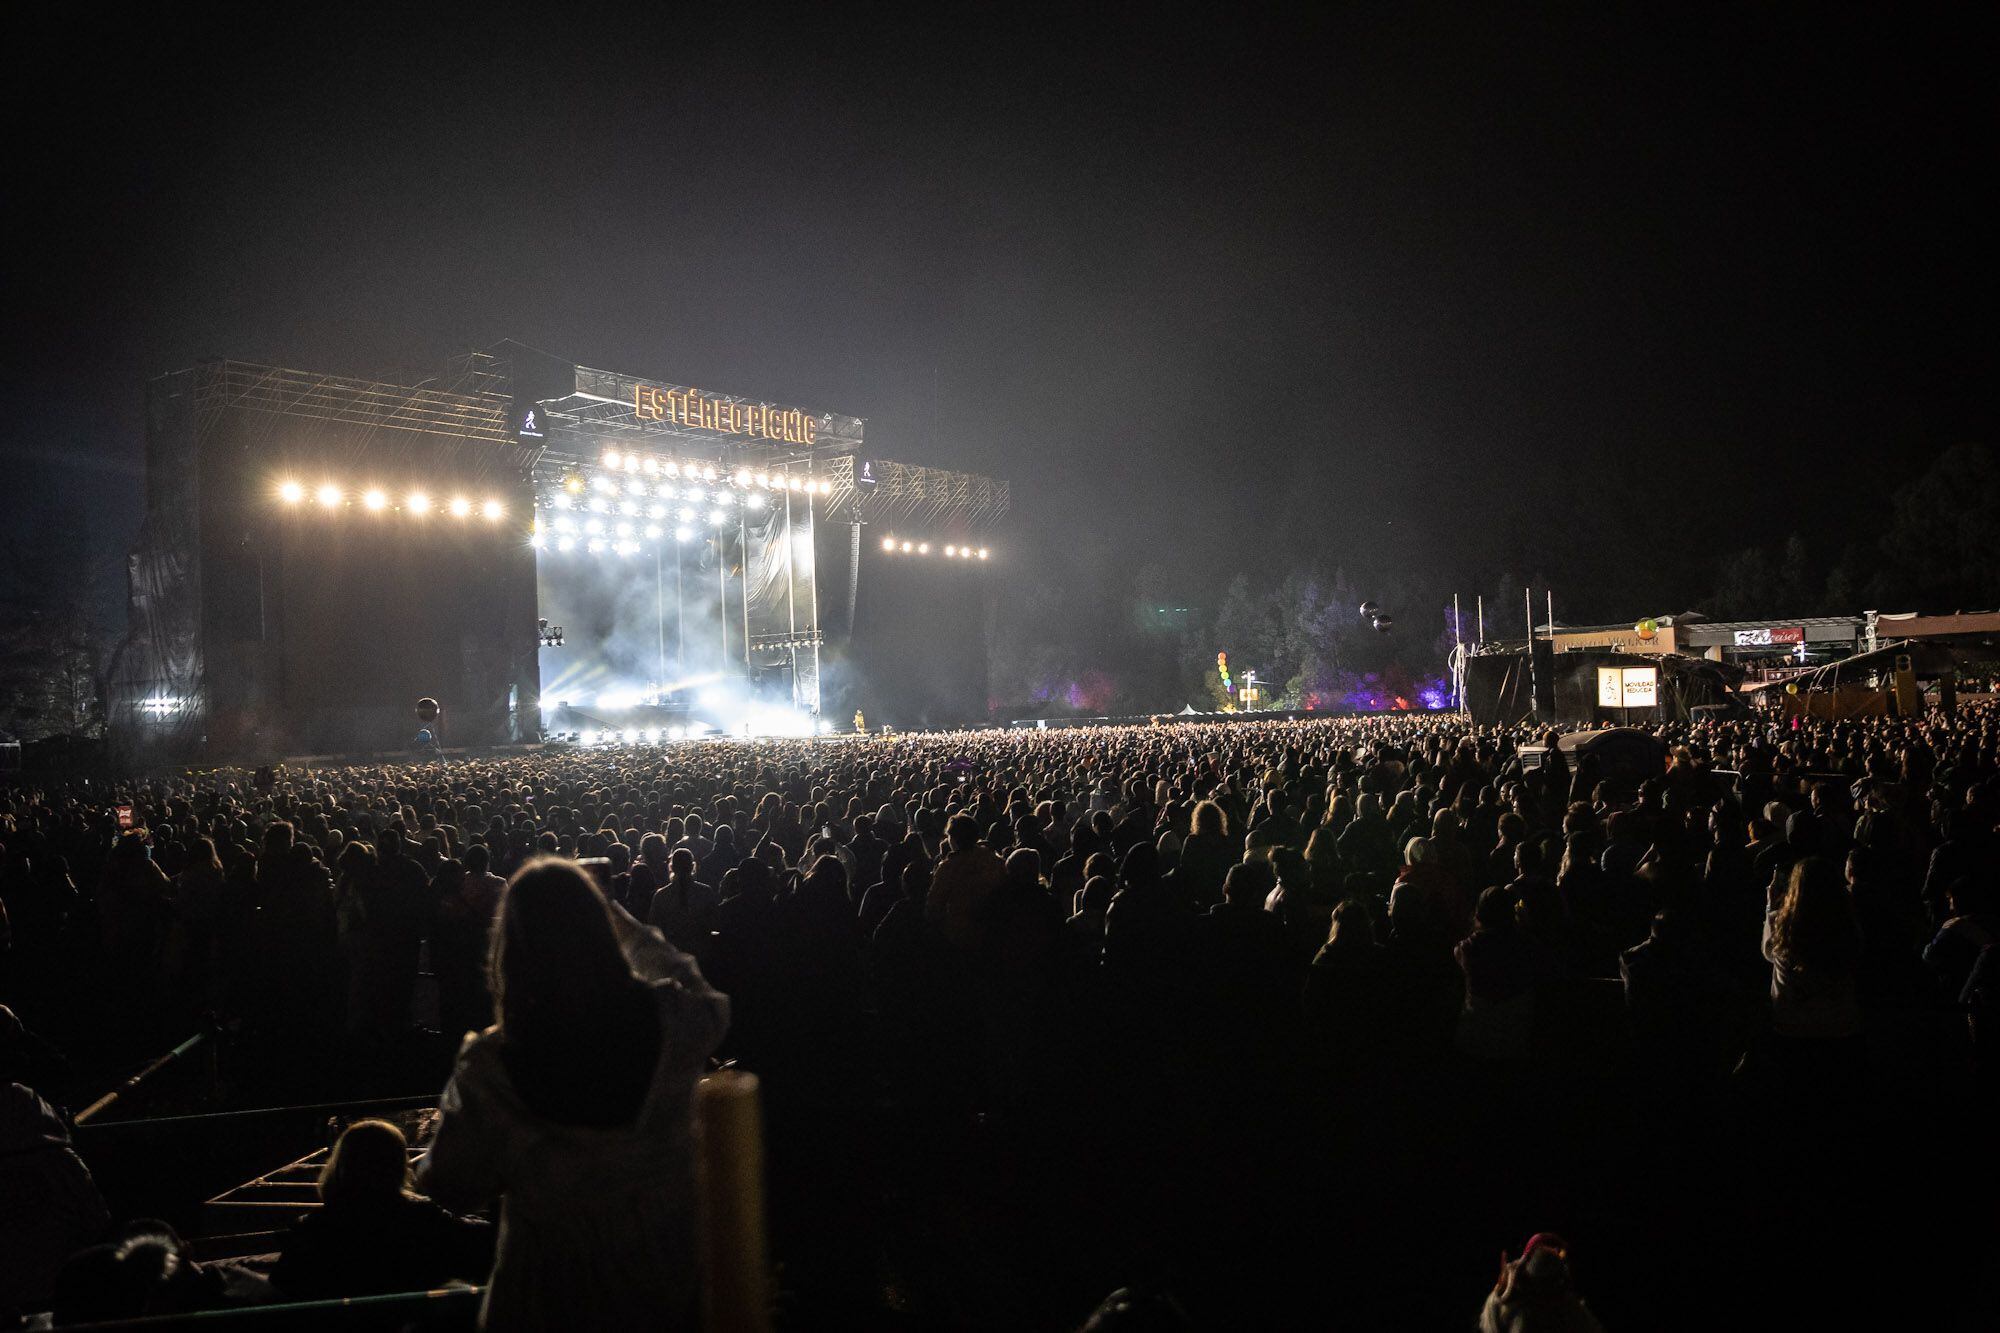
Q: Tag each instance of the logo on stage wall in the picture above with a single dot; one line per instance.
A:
(865, 476)
(691, 407)
(531, 421)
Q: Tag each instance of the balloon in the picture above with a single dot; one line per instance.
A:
(1647, 629)
(1368, 608)
(424, 736)
(1791, 687)
(1382, 624)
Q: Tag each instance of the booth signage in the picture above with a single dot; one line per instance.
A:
(1628, 687)
(1770, 635)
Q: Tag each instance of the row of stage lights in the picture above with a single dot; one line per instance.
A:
(900, 546)
(375, 500)
(614, 461)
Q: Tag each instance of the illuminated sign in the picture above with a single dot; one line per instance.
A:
(689, 407)
(530, 421)
(1764, 638)
(1628, 687)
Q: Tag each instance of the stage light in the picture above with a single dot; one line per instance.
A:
(717, 517)
(982, 553)
(594, 547)
(611, 458)
(683, 534)
(537, 540)
(888, 543)
(755, 502)
(460, 506)
(624, 529)
(651, 466)
(291, 492)
(631, 462)
(563, 501)
(826, 488)
(792, 483)
(566, 544)
(652, 532)
(763, 479)
(650, 735)
(677, 733)
(603, 483)
(593, 526)
(687, 515)
(923, 548)
(375, 500)
(625, 736)
(743, 476)
(573, 484)
(708, 473)
(417, 503)
(492, 510)
(328, 496)
(906, 548)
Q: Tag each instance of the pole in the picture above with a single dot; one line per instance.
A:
(743, 584)
(1457, 658)
(1534, 701)
(791, 600)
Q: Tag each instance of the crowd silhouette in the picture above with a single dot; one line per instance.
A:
(1255, 1021)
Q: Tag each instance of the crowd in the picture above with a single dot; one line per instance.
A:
(1195, 976)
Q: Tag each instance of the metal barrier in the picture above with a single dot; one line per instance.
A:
(445, 1311)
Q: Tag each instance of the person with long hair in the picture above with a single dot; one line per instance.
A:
(372, 1232)
(574, 1111)
(1813, 944)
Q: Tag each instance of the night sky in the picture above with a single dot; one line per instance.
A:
(1583, 293)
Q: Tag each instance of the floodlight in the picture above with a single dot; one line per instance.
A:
(417, 502)
(492, 510)
(291, 492)
(375, 499)
(460, 506)
(328, 495)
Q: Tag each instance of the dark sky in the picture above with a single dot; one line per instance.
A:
(1436, 281)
